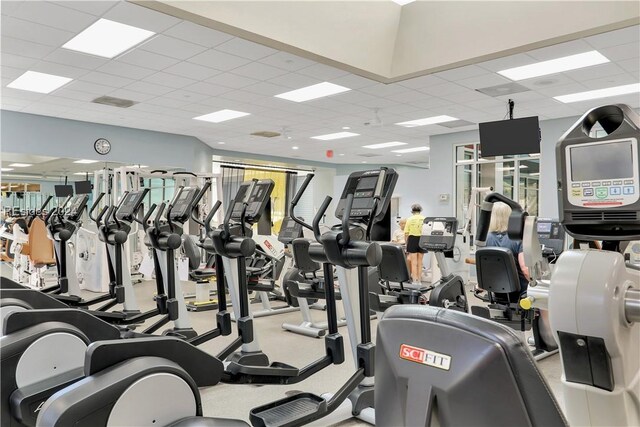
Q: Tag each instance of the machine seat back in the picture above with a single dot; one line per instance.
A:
(497, 271)
(301, 258)
(443, 367)
(40, 246)
(393, 267)
(191, 251)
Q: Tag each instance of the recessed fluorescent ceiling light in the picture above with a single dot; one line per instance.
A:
(221, 116)
(38, 82)
(338, 135)
(107, 38)
(81, 173)
(20, 165)
(427, 121)
(308, 93)
(599, 93)
(385, 145)
(6, 169)
(558, 65)
(85, 161)
(411, 150)
(403, 2)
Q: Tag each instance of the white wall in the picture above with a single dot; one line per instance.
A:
(50, 136)
(424, 186)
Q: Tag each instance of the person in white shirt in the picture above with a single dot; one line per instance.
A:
(398, 235)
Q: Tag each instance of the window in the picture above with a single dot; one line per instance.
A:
(516, 177)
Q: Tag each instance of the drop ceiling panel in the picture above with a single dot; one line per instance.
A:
(231, 80)
(560, 50)
(621, 52)
(218, 60)
(25, 48)
(322, 72)
(246, 49)
(614, 38)
(93, 7)
(123, 69)
(105, 79)
(192, 71)
(259, 71)
(53, 15)
(172, 47)
(141, 17)
(36, 33)
(197, 34)
(146, 59)
(169, 80)
(286, 61)
(75, 59)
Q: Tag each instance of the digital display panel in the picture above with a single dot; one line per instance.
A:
(544, 227)
(602, 161)
(367, 183)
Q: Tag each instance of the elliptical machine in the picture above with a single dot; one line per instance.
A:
(364, 201)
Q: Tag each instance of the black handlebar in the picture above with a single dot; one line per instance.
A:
(185, 173)
(212, 212)
(344, 240)
(296, 199)
(197, 200)
(176, 196)
(94, 206)
(46, 203)
(101, 214)
(48, 217)
(115, 211)
(145, 219)
(377, 195)
(60, 210)
(245, 202)
(202, 192)
(316, 219)
(156, 220)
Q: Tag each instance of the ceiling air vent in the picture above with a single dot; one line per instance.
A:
(114, 102)
(369, 155)
(503, 89)
(266, 134)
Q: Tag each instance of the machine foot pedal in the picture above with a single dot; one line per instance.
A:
(299, 409)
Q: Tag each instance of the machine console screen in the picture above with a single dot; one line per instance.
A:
(363, 186)
(257, 201)
(438, 233)
(182, 207)
(551, 235)
(76, 206)
(603, 174)
(132, 201)
(289, 231)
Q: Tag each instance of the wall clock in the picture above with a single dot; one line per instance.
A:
(102, 146)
